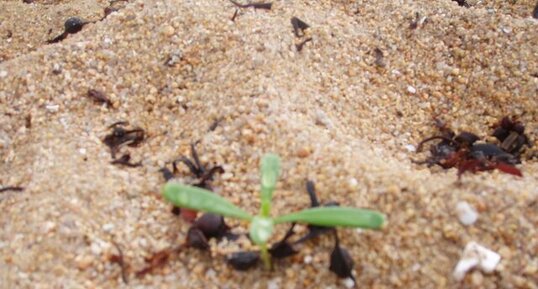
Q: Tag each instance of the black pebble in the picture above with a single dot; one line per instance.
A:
(243, 260)
(73, 25)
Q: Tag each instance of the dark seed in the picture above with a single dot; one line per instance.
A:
(167, 174)
(535, 12)
(341, 261)
(73, 25)
(243, 260)
(99, 97)
(283, 248)
(211, 225)
(196, 239)
(176, 211)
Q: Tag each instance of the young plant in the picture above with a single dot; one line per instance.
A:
(262, 225)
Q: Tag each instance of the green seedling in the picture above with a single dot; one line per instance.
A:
(262, 226)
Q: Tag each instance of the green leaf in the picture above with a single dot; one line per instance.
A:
(270, 170)
(336, 217)
(199, 199)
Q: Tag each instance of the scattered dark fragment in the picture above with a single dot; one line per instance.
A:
(466, 154)
(212, 225)
(379, 57)
(235, 15)
(71, 25)
(256, 5)
(156, 260)
(311, 190)
(535, 12)
(99, 97)
(466, 139)
(9, 34)
(176, 211)
(197, 169)
(112, 7)
(283, 248)
(215, 123)
(11, 188)
(479, 165)
(511, 133)
(492, 152)
(197, 239)
(203, 174)
(28, 121)
(314, 231)
(243, 260)
(463, 3)
(167, 174)
(118, 259)
(28, 1)
(414, 23)
(173, 59)
(302, 43)
(341, 261)
(58, 38)
(121, 136)
(125, 160)
(299, 26)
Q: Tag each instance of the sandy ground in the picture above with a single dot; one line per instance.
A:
(334, 115)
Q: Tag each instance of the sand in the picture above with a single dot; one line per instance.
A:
(331, 111)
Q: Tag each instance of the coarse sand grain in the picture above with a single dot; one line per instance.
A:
(347, 112)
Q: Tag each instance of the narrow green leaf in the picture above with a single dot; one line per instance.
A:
(336, 217)
(270, 170)
(199, 199)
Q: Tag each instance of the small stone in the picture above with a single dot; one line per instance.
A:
(52, 107)
(49, 227)
(348, 282)
(353, 183)
(3, 74)
(167, 30)
(307, 259)
(466, 214)
(411, 89)
(73, 25)
(95, 248)
(273, 284)
(303, 152)
(475, 255)
(83, 261)
(410, 148)
(108, 227)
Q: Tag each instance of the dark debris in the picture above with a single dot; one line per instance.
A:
(11, 188)
(244, 260)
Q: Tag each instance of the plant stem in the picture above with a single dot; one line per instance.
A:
(266, 258)
(266, 208)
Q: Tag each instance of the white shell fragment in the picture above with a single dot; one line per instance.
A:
(466, 213)
(475, 255)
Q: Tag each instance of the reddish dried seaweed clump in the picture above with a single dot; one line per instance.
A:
(464, 151)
